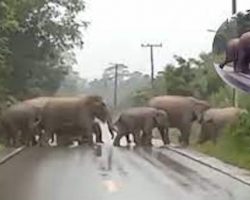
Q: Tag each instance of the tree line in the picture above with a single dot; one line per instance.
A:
(37, 38)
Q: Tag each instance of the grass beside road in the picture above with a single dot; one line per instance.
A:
(233, 146)
(226, 151)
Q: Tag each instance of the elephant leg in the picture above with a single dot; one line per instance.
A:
(128, 139)
(118, 138)
(164, 135)
(45, 137)
(30, 132)
(143, 138)
(235, 65)
(242, 65)
(98, 132)
(147, 137)
(63, 140)
(33, 141)
(121, 131)
(137, 138)
(120, 134)
(18, 139)
(88, 134)
(185, 133)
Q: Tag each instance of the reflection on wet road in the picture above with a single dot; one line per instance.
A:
(106, 172)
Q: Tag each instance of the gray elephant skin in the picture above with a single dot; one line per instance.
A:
(18, 124)
(231, 53)
(215, 120)
(182, 112)
(24, 120)
(238, 52)
(76, 112)
(141, 119)
(67, 135)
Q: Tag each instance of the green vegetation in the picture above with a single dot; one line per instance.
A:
(234, 144)
(37, 39)
(197, 77)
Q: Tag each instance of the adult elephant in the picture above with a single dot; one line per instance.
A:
(231, 53)
(238, 52)
(135, 120)
(19, 123)
(244, 53)
(76, 112)
(215, 120)
(182, 112)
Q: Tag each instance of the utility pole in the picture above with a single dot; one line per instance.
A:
(116, 67)
(234, 6)
(235, 96)
(115, 85)
(151, 46)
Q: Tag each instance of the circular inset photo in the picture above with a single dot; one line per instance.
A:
(231, 51)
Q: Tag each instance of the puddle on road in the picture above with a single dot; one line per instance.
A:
(185, 176)
(112, 185)
(104, 159)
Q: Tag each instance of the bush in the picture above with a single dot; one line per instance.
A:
(240, 132)
(234, 144)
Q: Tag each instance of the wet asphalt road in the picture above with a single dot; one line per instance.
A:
(106, 172)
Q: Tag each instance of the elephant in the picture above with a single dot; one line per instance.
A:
(214, 120)
(18, 124)
(231, 53)
(38, 105)
(244, 53)
(73, 112)
(238, 52)
(69, 134)
(182, 112)
(137, 119)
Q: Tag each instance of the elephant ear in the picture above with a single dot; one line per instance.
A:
(160, 117)
(98, 107)
(199, 108)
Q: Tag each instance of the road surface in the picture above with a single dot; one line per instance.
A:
(235, 80)
(105, 172)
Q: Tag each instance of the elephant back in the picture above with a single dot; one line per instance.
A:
(19, 113)
(222, 116)
(71, 108)
(38, 102)
(137, 116)
(244, 42)
(178, 108)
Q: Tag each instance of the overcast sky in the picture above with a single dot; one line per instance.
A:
(118, 27)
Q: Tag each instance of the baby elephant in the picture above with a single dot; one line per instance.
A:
(215, 120)
(145, 119)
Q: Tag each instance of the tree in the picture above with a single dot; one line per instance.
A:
(40, 36)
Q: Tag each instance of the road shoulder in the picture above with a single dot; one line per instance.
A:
(8, 153)
(234, 172)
